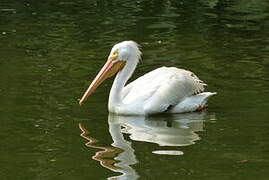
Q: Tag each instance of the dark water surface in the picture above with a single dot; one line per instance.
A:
(49, 50)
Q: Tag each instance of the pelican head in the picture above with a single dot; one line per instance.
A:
(126, 51)
(124, 55)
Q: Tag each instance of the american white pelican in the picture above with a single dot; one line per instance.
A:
(166, 89)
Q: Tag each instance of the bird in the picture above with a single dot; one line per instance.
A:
(163, 90)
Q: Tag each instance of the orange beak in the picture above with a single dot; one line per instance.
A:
(110, 68)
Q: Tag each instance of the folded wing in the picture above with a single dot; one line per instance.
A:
(162, 88)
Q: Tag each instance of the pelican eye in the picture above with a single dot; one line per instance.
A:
(115, 52)
(114, 55)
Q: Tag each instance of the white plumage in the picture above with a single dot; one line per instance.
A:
(166, 89)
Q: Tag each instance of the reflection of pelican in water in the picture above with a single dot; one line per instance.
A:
(106, 152)
(117, 157)
(176, 130)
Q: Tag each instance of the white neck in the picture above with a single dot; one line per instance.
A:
(115, 96)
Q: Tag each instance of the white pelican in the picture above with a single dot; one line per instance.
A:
(166, 89)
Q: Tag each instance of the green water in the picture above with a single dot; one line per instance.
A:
(50, 50)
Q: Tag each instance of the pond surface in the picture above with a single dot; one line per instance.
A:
(50, 50)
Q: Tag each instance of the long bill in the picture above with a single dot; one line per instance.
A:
(110, 68)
